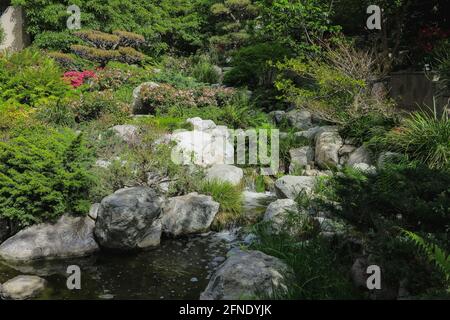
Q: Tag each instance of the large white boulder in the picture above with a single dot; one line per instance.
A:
(203, 148)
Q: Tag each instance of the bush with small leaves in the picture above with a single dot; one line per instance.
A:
(99, 39)
(129, 39)
(100, 56)
(130, 55)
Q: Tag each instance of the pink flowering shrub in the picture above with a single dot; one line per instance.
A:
(165, 95)
(77, 78)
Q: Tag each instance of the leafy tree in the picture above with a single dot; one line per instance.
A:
(233, 23)
(166, 24)
(409, 28)
(298, 24)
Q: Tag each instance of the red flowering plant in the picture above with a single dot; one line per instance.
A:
(429, 36)
(77, 78)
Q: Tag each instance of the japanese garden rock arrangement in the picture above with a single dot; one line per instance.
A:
(69, 237)
(247, 274)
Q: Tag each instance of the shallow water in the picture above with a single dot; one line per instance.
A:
(179, 269)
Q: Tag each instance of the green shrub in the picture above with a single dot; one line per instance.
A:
(319, 272)
(58, 113)
(66, 61)
(95, 104)
(160, 98)
(234, 22)
(43, 174)
(100, 56)
(167, 24)
(204, 71)
(422, 137)
(131, 56)
(333, 85)
(434, 254)
(251, 66)
(98, 39)
(129, 39)
(30, 78)
(56, 41)
(367, 127)
(228, 196)
(419, 194)
(442, 62)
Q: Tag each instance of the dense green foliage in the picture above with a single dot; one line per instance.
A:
(167, 24)
(423, 137)
(43, 174)
(251, 64)
(317, 266)
(30, 79)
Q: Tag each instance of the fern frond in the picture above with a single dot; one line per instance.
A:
(434, 253)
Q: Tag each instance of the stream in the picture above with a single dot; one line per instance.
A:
(178, 269)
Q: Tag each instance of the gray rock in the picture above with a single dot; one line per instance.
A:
(358, 273)
(255, 203)
(365, 168)
(247, 274)
(22, 287)
(188, 214)
(299, 119)
(203, 148)
(328, 143)
(386, 157)
(277, 214)
(69, 237)
(300, 157)
(93, 211)
(201, 125)
(360, 155)
(291, 186)
(137, 104)
(130, 219)
(277, 116)
(316, 173)
(225, 173)
(344, 153)
(309, 134)
(346, 149)
(127, 132)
